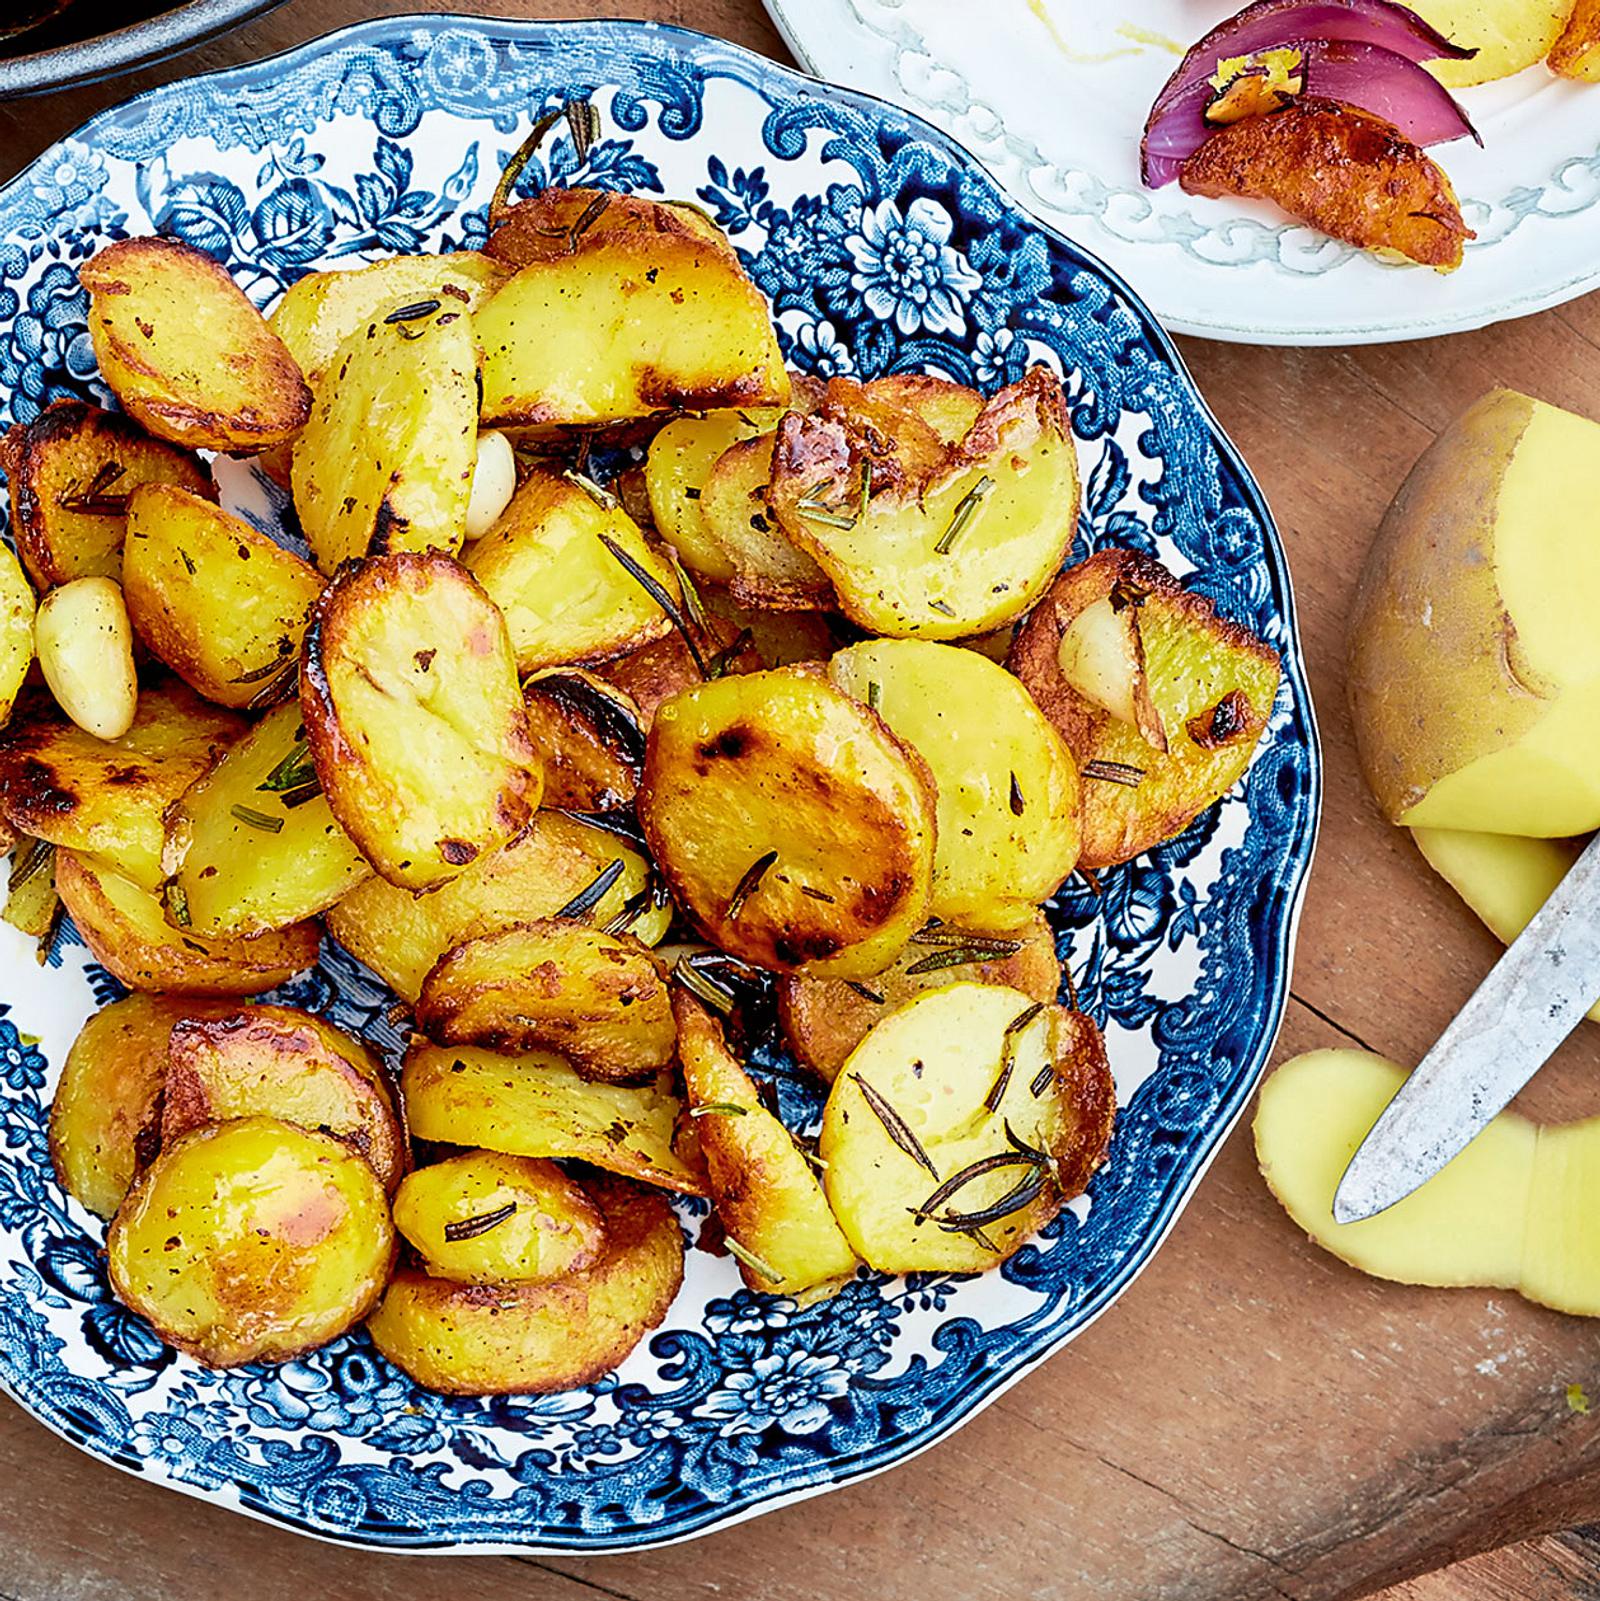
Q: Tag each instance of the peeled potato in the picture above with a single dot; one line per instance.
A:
(1508, 35)
(16, 631)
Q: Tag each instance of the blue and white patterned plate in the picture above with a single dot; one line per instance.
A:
(883, 247)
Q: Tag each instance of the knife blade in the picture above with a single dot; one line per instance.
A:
(1534, 996)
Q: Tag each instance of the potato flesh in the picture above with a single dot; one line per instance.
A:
(769, 569)
(1507, 34)
(16, 630)
(1576, 53)
(590, 735)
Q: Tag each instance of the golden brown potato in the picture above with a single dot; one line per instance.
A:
(106, 797)
(530, 1339)
(1347, 173)
(656, 672)
(221, 604)
(777, 638)
(590, 735)
(128, 934)
(949, 409)
(535, 1104)
(770, 1203)
(252, 1241)
(599, 999)
(186, 352)
(277, 1061)
(415, 723)
(487, 1218)
(824, 1019)
(1212, 684)
(789, 822)
(16, 631)
(252, 845)
(386, 461)
(71, 471)
(1576, 54)
(557, 222)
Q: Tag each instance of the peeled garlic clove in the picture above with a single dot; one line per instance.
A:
(84, 644)
(494, 481)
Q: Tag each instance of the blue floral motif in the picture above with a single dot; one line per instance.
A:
(791, 1391)
(906, 269)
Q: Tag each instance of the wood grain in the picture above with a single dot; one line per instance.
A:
(1253, 1419)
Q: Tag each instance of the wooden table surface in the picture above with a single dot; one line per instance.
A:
(1253, 1419)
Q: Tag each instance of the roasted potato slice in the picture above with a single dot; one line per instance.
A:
(956, 553)
(17, 607)
(278, 1061)
(1212, 685)
(948, 408)
(1347, 173)
(531, 1339)
(1008, 790)
(252, 1241)
(591, 736)
(487, 1218)
(961, 1124)
(186, 352)
(556, 861)
(558, 222)
(551, 564)
(224, 606)
(253, 845)
(778, 638)
(414, 719)
(824, 1019)
(107, 797)
(789, 822)
(628, 325)
(71, 471)
(536, 1104)
(767, 1197)
(1576, 54)
(599, 999)
(129, 935)
(656, 672)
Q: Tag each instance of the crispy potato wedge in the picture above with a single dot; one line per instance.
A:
(590, 735)
(252, 1241)
(767, 1196)
(224, 606)
(559, 222)
(566, 596)
(413, 716)
(253, 845)
(1212, 684)
(71, 471)
(789, 822)
(31, 903)
(629, 324)
(599, 999)
(386, 461)
(955, 553)
(17, 608)
(401, 936)
(186, 352)
(128, 934)
(105, 1120)
(1576, 54)
(107, 797)
(1347, 173)
(278, 1061)
(532, 1339)
(1008, 793)
(824, 1019)
(940, 1156)
(656, 672)
(536, 1104)
(487, 1218)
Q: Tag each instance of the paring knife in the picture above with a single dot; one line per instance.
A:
(1534, 997)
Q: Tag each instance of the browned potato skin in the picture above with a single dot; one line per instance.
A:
(277, 1061)
(58, 455)
(554, 222)
(591, 736)
(824, 1019)
(656, 672)
(1084, 1083)
(475, 1339)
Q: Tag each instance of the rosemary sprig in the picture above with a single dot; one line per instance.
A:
(603, 498)
(718, 1109)
(587, 218)
(874, 694)
(959, 956)
(1008, 1055)
(594, 892)
(702, 986)
(719, 664)
(295, 775)
(622, 825)
(895, 1126)
(631, 911)
(30, 859)
(815, 512)
(410, 313)
(1041, 1080)
(943, 607)
(521, 156)
(469, 1228)
(747, 885)
(94, 497)
(818, 894)
(255, 819)
(1018, 804)
(176, 900)
(942, 934)
(657, 592)
(1114, 773)
(958, 1181)
(965, 511)
(1012, 1201)
(752, 1261)
(862, 990)
(256, 674)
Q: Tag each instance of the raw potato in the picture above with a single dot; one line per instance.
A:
(789, 823)
(277, 1061)
(401, 936)
(253, 845)
(71, 471)
(533, 1339)
(1007, 788)
(1511, 1212)
(414, 719)
(1474, 660)
(84, 643)
(224, 606)
(535, 1104)
(107, 797)
(252, 1241)
(486, 1218)
(1576, 53)
(128, 934)
(764, 1189)
(557, 221)
(186, 352)
(1507, 34)
(824, 1019)
(386, 461)
(598, 999)
(591, 736)
(952, 1073)
(16, 631)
